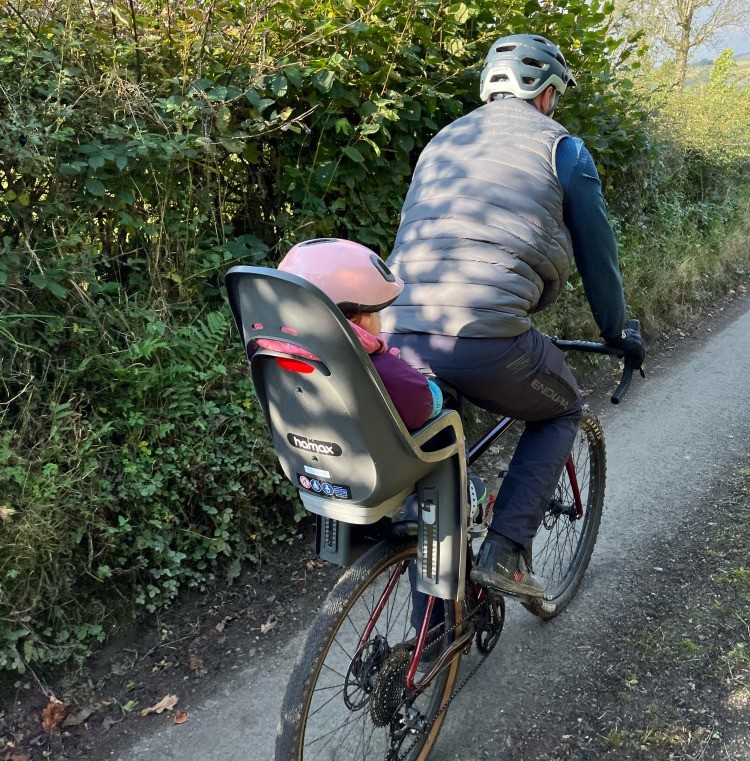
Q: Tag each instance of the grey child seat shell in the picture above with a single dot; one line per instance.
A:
(336, 425)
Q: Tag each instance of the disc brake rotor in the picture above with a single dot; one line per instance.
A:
(363, 671)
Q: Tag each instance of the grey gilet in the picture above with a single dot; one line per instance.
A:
(482, 242)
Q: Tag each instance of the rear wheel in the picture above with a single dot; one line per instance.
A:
(347, 697)
(563, 545)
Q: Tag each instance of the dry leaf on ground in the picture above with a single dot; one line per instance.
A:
(52, 715)
(181, 717)
(196, 666)
(6, 513)
(270, 624)
(224, 621)
(18, 755)
(76, 719)
(167, 703)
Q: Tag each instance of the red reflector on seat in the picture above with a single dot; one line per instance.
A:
(294, 365)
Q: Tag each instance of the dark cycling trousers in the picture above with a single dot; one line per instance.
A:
(525, 378)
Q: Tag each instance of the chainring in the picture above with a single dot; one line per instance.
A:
(490, 625)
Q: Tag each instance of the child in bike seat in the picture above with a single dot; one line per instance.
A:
(358, 281)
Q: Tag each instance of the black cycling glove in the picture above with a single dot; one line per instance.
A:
(630, 343)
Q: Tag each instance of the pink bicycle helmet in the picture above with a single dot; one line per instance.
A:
(350, 274)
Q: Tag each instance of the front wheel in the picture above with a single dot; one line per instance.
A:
(564, 542)
(347, 695)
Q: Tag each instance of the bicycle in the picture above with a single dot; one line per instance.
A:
(374, 680)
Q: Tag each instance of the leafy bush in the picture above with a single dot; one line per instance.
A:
(151, 477)
(148, 146)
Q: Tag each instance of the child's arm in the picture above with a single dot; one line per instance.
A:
(415, 398)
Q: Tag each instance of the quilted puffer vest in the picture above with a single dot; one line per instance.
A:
(482, 242)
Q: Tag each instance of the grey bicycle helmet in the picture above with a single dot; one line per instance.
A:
(523, 65)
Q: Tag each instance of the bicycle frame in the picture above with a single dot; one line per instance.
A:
(474, 453)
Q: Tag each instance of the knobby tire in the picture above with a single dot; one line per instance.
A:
(318, 684)
(562, 548)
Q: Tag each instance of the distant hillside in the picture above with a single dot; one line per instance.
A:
(700, 71)
(739, 57)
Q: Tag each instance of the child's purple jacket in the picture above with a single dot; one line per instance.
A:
(407, 387)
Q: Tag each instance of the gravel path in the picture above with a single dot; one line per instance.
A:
(669, 447)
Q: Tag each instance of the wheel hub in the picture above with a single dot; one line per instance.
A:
(556, 509)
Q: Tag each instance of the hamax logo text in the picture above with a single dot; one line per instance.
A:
(311, 445)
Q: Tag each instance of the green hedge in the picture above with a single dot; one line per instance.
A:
(146, 150)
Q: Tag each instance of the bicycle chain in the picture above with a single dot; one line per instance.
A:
(443, 708)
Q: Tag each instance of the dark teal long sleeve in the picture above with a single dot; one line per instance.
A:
(594, 244)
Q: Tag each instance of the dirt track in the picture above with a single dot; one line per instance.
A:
(650, 661)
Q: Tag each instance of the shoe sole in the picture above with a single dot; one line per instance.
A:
(505, 585)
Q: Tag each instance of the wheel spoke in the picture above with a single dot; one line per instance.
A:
(562, 547)
(339, 719)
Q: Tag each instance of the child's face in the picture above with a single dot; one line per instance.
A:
(369, 321)
(374, 324)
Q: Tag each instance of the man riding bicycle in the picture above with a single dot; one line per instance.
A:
(501, 203)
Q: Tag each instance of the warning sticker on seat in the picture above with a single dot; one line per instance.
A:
(324, 488)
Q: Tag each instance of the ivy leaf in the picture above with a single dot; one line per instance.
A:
(294, 75)
(278, 85)
(41, 282)
(223, 117)
(217, 93)
(56, 289)
(95, 187)
(406, 142)
(250, 153)
(121, 162)
(247, 247)
(460, 13)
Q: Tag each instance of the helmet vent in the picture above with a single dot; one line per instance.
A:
(505, 48)
(499, 78)
(382, 267)
(315, 241)
(529, 80)
(533, 62)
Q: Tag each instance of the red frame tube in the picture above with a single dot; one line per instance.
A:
(421, 639)
(381, 604)
(571, 469)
